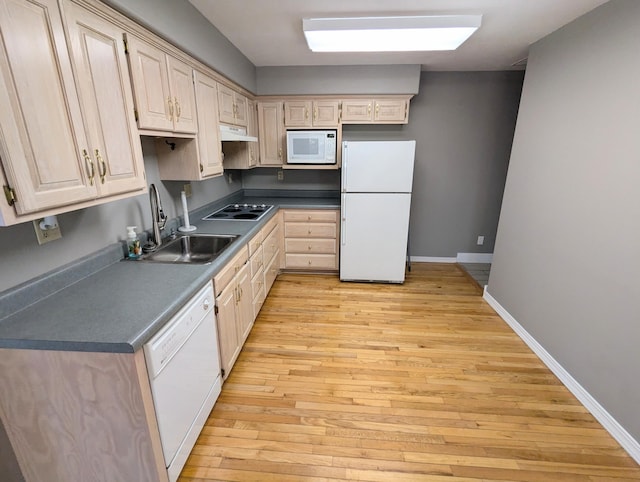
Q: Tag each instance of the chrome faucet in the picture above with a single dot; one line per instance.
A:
(158, 218)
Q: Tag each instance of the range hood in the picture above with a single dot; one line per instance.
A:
(237, 134)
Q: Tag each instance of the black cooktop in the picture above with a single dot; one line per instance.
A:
(239, 212)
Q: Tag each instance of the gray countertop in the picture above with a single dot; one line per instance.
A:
(118, 307)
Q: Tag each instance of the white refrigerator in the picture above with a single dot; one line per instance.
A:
(377, 178)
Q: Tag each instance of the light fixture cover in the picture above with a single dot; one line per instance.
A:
(389, 34)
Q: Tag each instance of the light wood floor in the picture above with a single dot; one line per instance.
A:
(423, 381)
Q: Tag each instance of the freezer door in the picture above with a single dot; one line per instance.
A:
(373, 237)
(377, 166)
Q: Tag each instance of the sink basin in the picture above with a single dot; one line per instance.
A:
(192, 248)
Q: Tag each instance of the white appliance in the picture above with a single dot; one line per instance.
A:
(184, 373)
(377, 177)
(311, 146)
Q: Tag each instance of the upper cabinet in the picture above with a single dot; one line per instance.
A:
(272, 133)
(244, 155)
(311, 113)
(163, 88)
(187, 159)
(232, 106)
(375, 111)
(58, 151)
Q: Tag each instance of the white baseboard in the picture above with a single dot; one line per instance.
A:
(432, 259)
(474, 258)
(611, 425)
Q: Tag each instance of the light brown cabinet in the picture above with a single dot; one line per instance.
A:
(232, 106)
(244, 155)
(311, 113)
(58, 150)
(375, 111)
(234, 308)
(311, 239)
(272, 133)
(188, 159)
(163, 89)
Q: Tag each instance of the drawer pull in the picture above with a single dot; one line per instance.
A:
(309, 262)
(309, 248)
(309, 232)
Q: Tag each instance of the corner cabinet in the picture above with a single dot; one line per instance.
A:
(163, 87)
(58, 152)
(272, 133)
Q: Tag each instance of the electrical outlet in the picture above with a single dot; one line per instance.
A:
(46, 235)
(187, 189)
(280, 175)
(480, 241)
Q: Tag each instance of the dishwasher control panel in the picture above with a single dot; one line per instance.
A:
(164, 344)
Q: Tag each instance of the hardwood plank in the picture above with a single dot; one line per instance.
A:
(412, 382)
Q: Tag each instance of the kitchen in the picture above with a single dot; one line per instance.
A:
(454, 180)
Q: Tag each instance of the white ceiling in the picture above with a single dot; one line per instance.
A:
(269, 32)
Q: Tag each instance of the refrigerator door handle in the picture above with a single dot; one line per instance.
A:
(343, 228)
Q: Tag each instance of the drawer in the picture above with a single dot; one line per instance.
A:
(311, 261)
(272, 223)
(226, 274)
(256, 261)
(255, 243)
(316, 246)
(310, 230)
(313, 216)
(270, 245)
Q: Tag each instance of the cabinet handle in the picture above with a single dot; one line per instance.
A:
(102, 166)
(315, 114)
(170, 107)
(280, 153)
(377, 109)
(306, 113)
(309, 247)
(201, 168)
(309, 231)
(369, 108)
(308, 218)
(178, 110)
(90, 166)
(309, 262)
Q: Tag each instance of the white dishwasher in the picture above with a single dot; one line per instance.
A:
(184, 372)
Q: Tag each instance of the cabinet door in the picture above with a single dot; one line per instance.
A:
(271, 127)
(43, 138)
(390, 111)
(240, 106)
(226, 105)
(107, 100)
(297, 113)
(357, 111)
(209, 145)
(181, 88)
(228, 333)
(150, 85)
(252, 130)
(244, 308)
(326, 113)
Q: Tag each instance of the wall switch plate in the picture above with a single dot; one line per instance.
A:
(187, 189)
(280, 175)
(480, 241)
(46, 235)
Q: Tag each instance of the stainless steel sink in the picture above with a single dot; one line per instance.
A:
(192, 248)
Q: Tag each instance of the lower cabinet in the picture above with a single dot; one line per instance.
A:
(311, 239)
(234, 308)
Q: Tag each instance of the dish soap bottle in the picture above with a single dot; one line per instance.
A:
(133, 243)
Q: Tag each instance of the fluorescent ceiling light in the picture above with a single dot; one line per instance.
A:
(389, 34)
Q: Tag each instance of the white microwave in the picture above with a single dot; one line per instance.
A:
(311, 146)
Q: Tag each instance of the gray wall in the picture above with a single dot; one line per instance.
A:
(463, 123)
(566, 261)
(86, 231)
(338, 79)
(182, 24)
